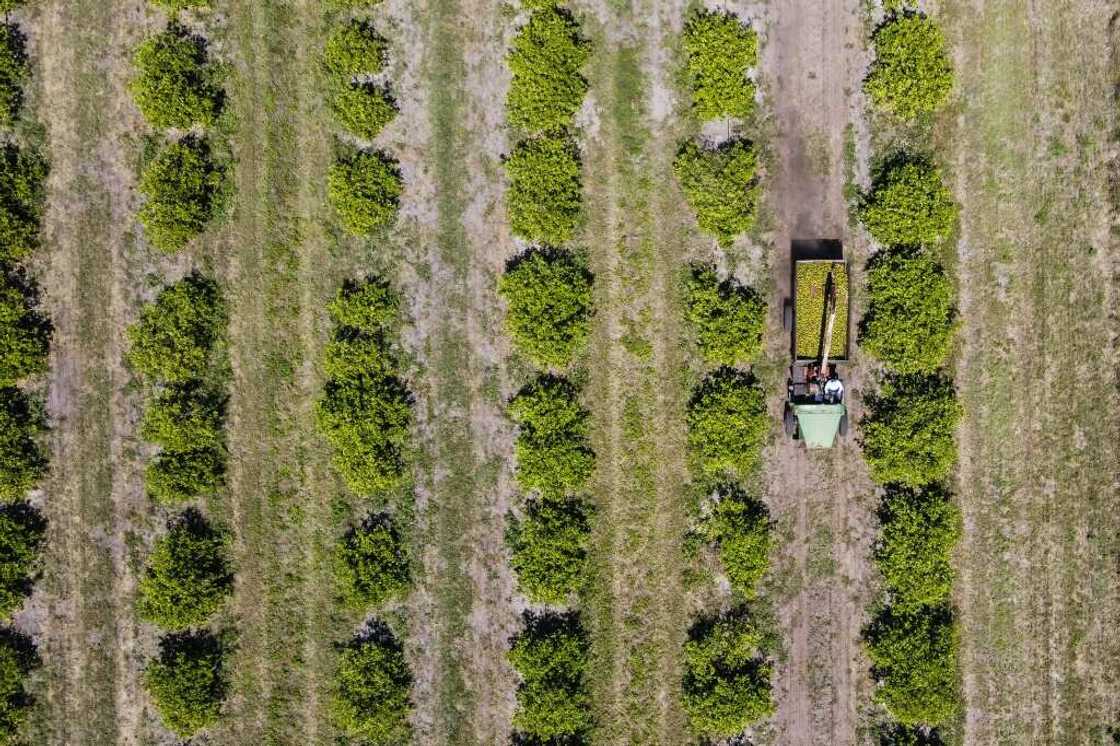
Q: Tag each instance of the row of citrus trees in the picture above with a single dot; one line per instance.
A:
(178, 350)
(726, 680)
(25, 335)
(365, 411)
(548, 293)
(908, 431)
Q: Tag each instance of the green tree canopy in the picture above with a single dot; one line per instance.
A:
(23, 461)
(14, 72)
(549, 546)
(183, 190)
(908, 430)
(25, 333)
(174, 6)
(910, 320)
(721, 186)
(188, 576)
(372, 699)
(728, 318)
(549, 297)
(176, 334)
(172, 478)
(740, 527)
(22, 533)
(185, 417)
(365, 190)
(908, 204)
(368, 306)
(353, 55)
(727, 424)
(22, 175)
(920, 528)
(726, 683)
(176, 84)
(720, 49)
(551, 656)
(554, 457)
(544, 197)
(18, 658)
(911, 74)
(547, 87)
(187, 682)
(914, 652)
(371, 564)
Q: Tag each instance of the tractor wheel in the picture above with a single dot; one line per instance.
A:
(790, 422)
(844, 424)
(787, 314)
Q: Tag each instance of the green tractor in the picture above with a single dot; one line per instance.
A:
(817, 318)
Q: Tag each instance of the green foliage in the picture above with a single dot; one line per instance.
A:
(354, 53)
(175, 337)
(920, 528)
(551, 656)
(740, 526)
(22, 533)
(914, 656)
(17, 659)
(182, 187)
(23, 461)
(185, 417)
(908, 430)
(549, 297)
(549, 546)
(547, 88)
(720, 50)
(910, 321)
(14, 72)
(25, 334)
(371, 566)
(172, 478)
(728, 317)
(188, 576)
(187, 683)
(544, 195)
(7, 6)
(176, 84)
(909, 205)
(174, 6)
(911, 74)
(727, 424)
(365, 411)
(554, 457)
(726, 681)
(721, 186)
(365, 190)
(372, 702)
(22, 176)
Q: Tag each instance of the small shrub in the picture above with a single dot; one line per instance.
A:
(372, 700)
(911, 74)
(910, 318)
(23, 461)
(727, 424)
(920, 528)
(185, 417)
(25, 334)
(177, 332)
(18, 658)
(549, 546)
(908, 430)
(720, 49)
(909, 205)
(22, 175)
(182, 187)
(914, 657)
(554, 457)
(549, 298)
(174, 6)
(726, 682)
(727, 317)
(7, 6)
(367, 307)
(547, 88)
(22, 533)
(174, 478)
(371, 566)
(176, 84)
(721, 187)
(14, 72)
(365, 190)
(740, 526)
(354, 53)
(188, 576)
(551, 656)
(366, 421)
(544, 195)
(187, 683)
